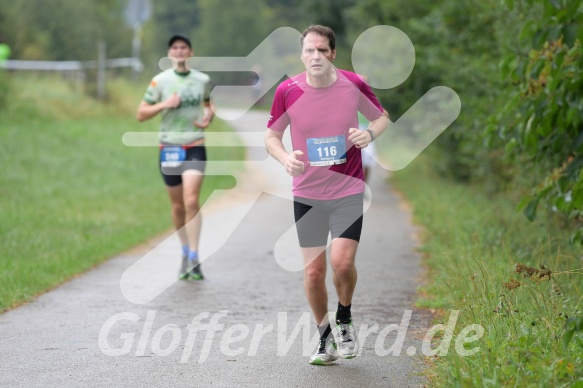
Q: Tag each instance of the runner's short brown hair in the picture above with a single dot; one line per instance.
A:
(320, 30)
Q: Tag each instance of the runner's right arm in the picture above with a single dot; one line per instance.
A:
(275, 148)
(146, 110)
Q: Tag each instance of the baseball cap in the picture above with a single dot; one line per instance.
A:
(176, 37)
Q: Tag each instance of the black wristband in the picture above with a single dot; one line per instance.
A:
(372, 136)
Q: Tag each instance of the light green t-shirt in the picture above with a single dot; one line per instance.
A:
(4, 54)
(177, 125)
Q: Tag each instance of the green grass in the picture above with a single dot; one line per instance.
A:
(71, 194)
(472, 244)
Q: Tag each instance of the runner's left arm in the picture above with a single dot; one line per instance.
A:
(380, 125)
(208, 109)
(362, 138)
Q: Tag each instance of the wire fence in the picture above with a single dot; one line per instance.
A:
(133, 63)
(76, 71)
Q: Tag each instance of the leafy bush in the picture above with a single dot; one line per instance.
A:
(541, 124)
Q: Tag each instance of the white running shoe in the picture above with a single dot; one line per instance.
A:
(325, 353)
(346, 339)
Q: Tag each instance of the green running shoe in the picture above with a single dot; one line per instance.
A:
(195, 273)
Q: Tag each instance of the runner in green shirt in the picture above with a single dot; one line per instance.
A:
(182, 97)
(4, 53)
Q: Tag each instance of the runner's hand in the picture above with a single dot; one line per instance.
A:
(172, 102)
(293, 166)
(206, 119)
(360, 139)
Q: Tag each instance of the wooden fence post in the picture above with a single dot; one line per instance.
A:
(101, 70)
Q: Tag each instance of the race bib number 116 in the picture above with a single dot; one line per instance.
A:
(326, 151)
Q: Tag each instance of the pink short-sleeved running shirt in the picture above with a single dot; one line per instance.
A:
(319, 120)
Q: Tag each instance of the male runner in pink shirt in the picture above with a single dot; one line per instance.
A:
(321, 107)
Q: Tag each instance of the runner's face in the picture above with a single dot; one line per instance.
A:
(180, 51)
(317, 55)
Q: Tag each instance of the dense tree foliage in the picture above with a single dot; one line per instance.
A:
(64, 29)
(541, 124)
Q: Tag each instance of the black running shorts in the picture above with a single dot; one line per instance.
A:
(316, 218)
(195, 159)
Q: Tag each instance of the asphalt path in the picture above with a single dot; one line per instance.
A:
(129, 322)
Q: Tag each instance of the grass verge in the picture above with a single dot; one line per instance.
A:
(521, 281)
(71, 194)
